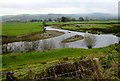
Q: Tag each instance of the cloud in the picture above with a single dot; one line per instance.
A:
(57, 6)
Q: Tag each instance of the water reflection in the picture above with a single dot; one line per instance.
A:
(89, 40)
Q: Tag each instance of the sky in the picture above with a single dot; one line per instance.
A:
(14, 7)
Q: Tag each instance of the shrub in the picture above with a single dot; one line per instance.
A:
(77, 26)
(43, 63)
(65, 58)
(115, 29)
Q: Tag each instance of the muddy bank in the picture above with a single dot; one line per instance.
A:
(73, 38)
(31, 37)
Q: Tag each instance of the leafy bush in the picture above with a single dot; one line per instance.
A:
(43, 62)
(115, 29)
(65, 58)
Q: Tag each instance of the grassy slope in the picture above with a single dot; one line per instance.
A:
(14, 29)
(26, 60)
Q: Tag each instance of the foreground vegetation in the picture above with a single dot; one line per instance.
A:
(21, 61)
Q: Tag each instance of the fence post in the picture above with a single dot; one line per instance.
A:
(98, 69)
(55, 75)
(30, 75)
(75, 65)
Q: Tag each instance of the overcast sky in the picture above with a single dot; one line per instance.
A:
(13, 7)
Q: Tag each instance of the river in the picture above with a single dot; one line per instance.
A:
(55, 42)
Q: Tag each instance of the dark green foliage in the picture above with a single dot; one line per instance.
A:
(43, 62)
(35, 20)
(13, 57)
(4, 64)
(117, 49)
(44, 24)
(65, 58)
(106, 61)
(111, 57)
(81, 19)
(115, 29)
(49, 19)
(65, 19)
(77, 26)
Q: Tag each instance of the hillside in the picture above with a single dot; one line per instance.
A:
(97, 16)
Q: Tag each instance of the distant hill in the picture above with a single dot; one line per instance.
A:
(97, 16)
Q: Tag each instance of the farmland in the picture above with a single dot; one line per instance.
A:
(16, 29)
(84, 22)
(59, 40)
(93, 28)
(33, 59)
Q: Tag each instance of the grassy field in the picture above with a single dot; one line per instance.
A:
(20, 61)
(16, 29)
(86, 26)
(83, 22)
(93, 28)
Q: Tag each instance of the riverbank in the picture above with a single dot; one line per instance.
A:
(22, 61)
(92, 28)
(31, 37)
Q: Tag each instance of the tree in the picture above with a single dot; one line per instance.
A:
(44, 24)
(65, 19)
(73, 19)
(44, 29)
(89, 40)
(81, 19)
(49, 19)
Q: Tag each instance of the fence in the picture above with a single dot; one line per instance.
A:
(80, 69)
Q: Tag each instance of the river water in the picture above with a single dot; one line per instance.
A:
(55, 42)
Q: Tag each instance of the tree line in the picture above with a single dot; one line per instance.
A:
(62, 19)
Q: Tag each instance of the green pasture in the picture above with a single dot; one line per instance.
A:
(16, 29)
(20, 61)
(73, 27)
(83, 22)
